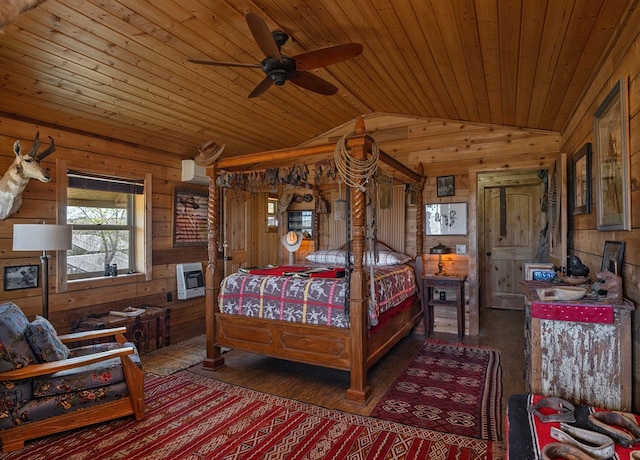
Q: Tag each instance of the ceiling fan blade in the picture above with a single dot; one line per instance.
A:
(222, 63)
(262, 87)
(262, 36)
(326, 56)
(313, 83)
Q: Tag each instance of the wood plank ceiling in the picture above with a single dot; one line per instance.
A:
(118, 68)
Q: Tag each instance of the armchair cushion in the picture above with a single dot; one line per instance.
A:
(40, 408)
(13, 394)
(96, 375)
(15, 351)
(44, 341)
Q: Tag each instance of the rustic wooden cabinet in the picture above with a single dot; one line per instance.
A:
(579, 351)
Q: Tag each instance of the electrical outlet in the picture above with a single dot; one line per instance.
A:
(461, 248)
(169, 296)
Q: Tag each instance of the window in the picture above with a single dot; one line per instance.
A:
(106, 213)
(300, 221)
(272, 214)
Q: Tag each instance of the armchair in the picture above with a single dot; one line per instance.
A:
(47, 388)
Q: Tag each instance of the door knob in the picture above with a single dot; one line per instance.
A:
(488, 253)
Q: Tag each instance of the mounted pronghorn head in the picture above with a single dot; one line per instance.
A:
(17, 177)
(11, 9)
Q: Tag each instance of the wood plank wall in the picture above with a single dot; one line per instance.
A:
(585, 240)
(187, 318)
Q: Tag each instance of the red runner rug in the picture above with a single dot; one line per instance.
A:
(193, 417)
(449, 388)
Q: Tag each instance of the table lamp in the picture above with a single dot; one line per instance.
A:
(440, 249)
(42, 237)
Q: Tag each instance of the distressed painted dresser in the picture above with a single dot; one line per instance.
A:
(579, 350)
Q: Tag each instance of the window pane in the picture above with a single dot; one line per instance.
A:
(94, 249)
(86, 215)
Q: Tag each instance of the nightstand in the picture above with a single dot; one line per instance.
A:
(453, 282)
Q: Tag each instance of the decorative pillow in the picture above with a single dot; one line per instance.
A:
(15, 351)
(328, 257)
(387, 258)
(338, 257)
(45, 342)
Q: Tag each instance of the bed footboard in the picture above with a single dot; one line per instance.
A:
(318, 345)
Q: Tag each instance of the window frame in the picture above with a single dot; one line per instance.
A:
(142, 246)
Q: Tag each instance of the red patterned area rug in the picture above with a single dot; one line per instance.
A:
(451, 388)
(194, 417)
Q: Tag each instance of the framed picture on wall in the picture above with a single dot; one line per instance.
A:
(190, 217)
(612, 256)
(581, 180)
(20, 277)
(445, 186)
(611, 144)
(446, 219)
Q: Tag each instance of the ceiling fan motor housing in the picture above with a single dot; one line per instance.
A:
(279, 71)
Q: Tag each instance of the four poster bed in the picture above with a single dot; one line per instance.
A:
(347, 341)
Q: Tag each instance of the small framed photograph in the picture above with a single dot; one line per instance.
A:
(446, 186)
(534, 271)
(190, 214)
(612, 256)
(21, 277)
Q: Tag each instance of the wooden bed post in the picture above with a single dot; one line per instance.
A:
(420, 215)
(213, 275)
(316, 217)
(359, 389)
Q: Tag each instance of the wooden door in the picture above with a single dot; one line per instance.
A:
(237, 230)
(512, 223)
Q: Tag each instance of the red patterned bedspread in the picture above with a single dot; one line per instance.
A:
(311, 300)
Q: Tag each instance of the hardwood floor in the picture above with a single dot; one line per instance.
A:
(501, 329)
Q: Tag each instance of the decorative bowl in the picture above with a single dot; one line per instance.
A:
(561, 293)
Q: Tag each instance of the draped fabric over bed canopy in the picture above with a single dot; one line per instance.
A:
(351, 349)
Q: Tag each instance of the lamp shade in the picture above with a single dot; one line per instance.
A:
(440, 249)
(41, 237)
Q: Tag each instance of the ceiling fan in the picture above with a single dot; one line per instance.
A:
(279, 68)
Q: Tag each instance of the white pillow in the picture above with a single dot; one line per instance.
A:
(338, 257)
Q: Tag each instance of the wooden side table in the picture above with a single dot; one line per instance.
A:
(450, 282)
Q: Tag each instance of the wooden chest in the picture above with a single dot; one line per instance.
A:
(148, 331)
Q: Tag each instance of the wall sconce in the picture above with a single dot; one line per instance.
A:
(42, 237)
(440, 249)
